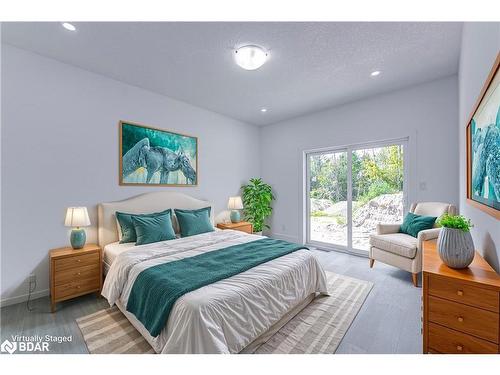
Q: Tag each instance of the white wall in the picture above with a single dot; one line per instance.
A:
(480, 45)
(60, 148)
(427, 114)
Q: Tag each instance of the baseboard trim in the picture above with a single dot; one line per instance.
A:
(285, 237)
(23, 298)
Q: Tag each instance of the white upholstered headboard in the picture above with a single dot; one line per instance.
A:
(143, 204)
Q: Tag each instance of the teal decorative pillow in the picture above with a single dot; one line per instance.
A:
(127, 226)
(151, 229)
(412, 224)
(193, 222)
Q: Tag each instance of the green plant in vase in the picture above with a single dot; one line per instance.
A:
(257, 199)
(455, 222)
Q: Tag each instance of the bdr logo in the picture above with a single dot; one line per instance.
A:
(23, 346)
(8, 346)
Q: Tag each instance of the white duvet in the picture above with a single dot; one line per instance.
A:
(226, 316)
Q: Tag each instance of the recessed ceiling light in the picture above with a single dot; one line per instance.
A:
(263, 110)
(250, 57)
(375, 73)
(69, 26)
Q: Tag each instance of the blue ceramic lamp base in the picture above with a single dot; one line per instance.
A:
(235, 216)
(78, 238)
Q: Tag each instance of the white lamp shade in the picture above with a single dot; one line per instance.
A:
(77, 217)
(235, 203)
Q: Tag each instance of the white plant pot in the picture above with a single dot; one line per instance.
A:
(259, 233)
(455, 247)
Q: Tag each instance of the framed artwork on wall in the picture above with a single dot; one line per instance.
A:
(156, 157)
(483, 147)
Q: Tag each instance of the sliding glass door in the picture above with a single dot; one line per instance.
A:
(328, 198)
(351, 189)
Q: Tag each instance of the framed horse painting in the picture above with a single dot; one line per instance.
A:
(483, 147)
(151, 156)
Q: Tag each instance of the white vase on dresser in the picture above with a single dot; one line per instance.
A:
(455, 247)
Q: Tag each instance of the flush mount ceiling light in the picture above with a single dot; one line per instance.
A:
(263, 110)
(250, 57)
(375, 73)
(69, 26)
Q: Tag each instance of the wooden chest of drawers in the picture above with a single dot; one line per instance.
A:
(460, 307)
(74, 273)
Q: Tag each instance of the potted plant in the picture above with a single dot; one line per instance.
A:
(455, 245)
(257, 198)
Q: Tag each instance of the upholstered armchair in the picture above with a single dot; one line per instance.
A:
(402, 250)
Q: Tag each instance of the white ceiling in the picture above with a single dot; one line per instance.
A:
(312, 65)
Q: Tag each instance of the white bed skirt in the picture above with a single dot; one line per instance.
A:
(250, 348)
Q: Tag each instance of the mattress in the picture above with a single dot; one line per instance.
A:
(228, 315)
(112, 250)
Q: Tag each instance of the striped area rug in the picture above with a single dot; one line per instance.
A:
(109, 332)
(318, 328)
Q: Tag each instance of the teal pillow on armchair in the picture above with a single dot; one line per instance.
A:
(412, 224)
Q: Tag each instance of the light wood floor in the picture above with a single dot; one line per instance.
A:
(389, 321)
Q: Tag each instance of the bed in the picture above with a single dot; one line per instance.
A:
(233, 315)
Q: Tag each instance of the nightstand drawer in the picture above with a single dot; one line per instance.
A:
(464, 293)
(75, 274)
(76, 261)
(449, 341)
(467, 319)
(76, 288)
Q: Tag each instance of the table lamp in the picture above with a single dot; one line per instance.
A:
(234, 205)
(77, 217)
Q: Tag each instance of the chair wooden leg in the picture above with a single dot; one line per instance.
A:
(371, 262)
(414, 277)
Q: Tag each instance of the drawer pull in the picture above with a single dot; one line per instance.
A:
(460, 348)
(78, 260)
(78, 274)
(460, 292)
(78, 287)
(460, 319)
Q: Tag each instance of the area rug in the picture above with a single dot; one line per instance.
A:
(318, 328)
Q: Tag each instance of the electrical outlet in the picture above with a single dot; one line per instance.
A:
(32, 278)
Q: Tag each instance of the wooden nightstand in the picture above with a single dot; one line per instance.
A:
(243, 226)
(74, 273)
